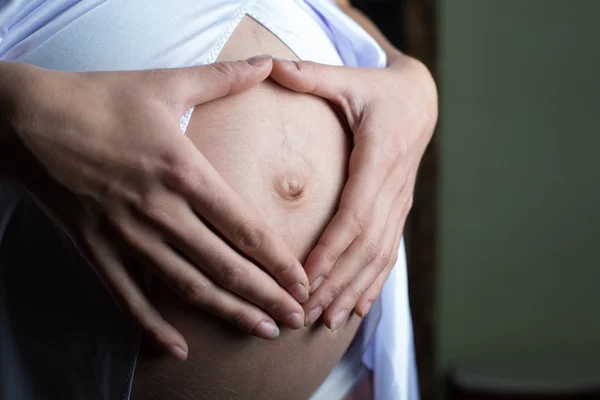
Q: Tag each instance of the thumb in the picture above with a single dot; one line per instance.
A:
(197, 85)
(343, 86)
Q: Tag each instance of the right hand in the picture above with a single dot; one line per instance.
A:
(103, 154)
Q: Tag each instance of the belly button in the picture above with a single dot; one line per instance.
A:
(290, 187)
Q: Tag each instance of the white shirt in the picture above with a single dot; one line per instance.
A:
(85, 35)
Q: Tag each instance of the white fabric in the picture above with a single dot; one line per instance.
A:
(92, 35)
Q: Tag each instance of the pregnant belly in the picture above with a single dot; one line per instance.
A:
(286, 154)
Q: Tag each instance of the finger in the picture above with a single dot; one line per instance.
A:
(196, 288)
(130, 298)
(367, 176)
(198, 85)
(369, 250)
(211, 255)
(337, 313)
(370, 296)
(240, 224)
(343, 86)
(363, 306)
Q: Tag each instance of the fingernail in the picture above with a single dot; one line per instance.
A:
(313, 315)
(316, 283)
(266, 330)
(295, 320)
(338, 319)
(179, 353)
(259, 61)
(287, 63)
(298, 292)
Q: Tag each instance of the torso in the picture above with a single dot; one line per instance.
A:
(286, 153)
(264, 142)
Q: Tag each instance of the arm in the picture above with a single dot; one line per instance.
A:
(103, 155)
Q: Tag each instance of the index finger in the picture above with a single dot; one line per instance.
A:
(367, 173)
(240, 224)
(189, 86)
(341, 85)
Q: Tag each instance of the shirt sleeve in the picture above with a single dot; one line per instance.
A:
(12, 12)
(25, 24)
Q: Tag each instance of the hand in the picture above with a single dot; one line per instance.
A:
(104, 155)
(392, 113)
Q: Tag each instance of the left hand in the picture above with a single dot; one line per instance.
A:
(392, 113)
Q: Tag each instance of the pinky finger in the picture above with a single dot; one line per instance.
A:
(372, 293)
(368, 298)
(130, 298)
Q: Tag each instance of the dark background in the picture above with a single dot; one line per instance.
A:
(502, 241)
(410, 26)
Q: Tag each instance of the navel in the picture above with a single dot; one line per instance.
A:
(290, 186)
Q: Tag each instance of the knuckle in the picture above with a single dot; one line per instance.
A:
(352, 105)
(284, 268)
(226, 73)
(355, 293)
(197, 291)
(372, 250)
(243, 320)
(231, 277)
(384, 258)
(224, 68)
(328, 254)
(182, 175)
(248, 237)
(361, 217)
(335, 289)
(274, 307)
(154, 207)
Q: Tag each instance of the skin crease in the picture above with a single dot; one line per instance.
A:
(286, 153)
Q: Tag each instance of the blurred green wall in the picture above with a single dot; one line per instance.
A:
(519, 253)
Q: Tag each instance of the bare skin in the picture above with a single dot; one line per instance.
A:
(138, 307)
(123, 183)
(286, 154)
